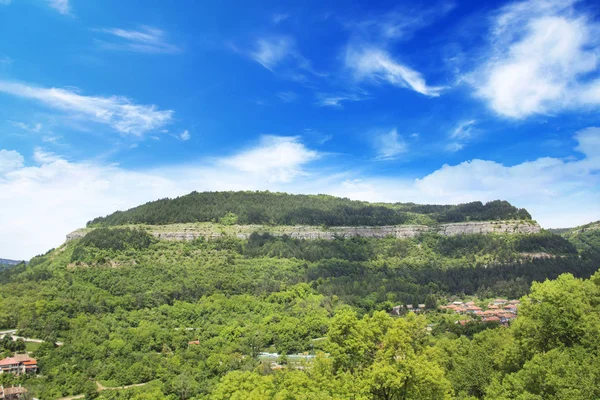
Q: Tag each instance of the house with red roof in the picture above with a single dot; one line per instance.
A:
(18, 364)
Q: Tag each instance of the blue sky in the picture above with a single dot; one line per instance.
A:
(108, 104)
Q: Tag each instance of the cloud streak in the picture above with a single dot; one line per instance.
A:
(62, 6)
(389, 145)
(376, 65)
(118, 112)
(145, 39)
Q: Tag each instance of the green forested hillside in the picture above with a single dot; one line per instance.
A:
(584, 238)
(125, 306)
(288, 209)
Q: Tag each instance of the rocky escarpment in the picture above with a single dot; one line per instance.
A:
(313, 232)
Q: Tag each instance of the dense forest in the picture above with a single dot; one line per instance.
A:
(189, 319)
(287, 209)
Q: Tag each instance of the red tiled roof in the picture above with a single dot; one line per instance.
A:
(492, 319)
(31, 361)
(8, 361)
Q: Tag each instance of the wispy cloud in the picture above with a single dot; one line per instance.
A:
(543, 59)
(336, 99)
(400, 23)
(42, 156)
(287, 97)
(272, 51)
(463, 130)
(279, 17)
(374, 64)
(145, 39)
(453, 147)
(389, 145)
(118, 112)
(278, 158)
(62, 6)
(280, 55)
(37, 127)
(185, 135)
(460, 135)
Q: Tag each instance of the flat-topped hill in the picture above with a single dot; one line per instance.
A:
(267, 208)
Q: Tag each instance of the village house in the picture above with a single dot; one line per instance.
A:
(19, 364)
(397, 310)
(473, 310)
(12, 393)
(499, 310)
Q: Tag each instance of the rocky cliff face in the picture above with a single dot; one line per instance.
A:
(312, 232)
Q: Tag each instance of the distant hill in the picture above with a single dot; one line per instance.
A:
(586, 238)
(288, 209)
(5, 261)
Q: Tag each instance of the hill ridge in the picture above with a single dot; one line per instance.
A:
(246, 208)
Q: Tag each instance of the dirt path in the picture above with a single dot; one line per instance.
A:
(101, 388)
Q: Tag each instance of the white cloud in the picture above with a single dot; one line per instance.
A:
(463, 130)
(544, 59)
(279, 55)
(402, 22)
(557, 192)
(389, 145)
(589, 143)
(272, 51)
(287, 97)
(37, 127)
(145, 39)
(370, 63)
(185, 135)
(461, 134)
(10, 160)
(336, 100)
(62, 6)
(277, 158)
(116, 111)
(279, 17)
(454, 147)
(42, 156)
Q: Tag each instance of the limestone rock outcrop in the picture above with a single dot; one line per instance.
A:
(313, 232)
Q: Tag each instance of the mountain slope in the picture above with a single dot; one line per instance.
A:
(585, 238)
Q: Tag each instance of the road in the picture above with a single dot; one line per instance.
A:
(12, 332)
(101, 387)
